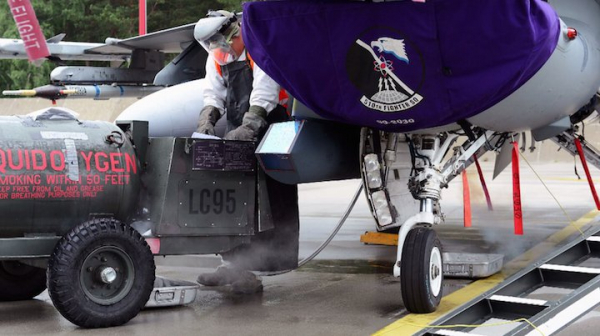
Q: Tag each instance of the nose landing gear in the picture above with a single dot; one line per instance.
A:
(419, 260)
(421, 278)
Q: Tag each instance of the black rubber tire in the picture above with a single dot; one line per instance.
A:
(19, 281)
(71, 295)
(417, 294)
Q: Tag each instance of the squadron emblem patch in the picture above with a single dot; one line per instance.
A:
(378, 64)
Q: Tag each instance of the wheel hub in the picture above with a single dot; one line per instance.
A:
(435, 271)
(107, 275)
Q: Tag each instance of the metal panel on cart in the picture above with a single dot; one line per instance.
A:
(201, 187)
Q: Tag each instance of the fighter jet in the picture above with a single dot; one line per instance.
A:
(413, 76)
(387, 98)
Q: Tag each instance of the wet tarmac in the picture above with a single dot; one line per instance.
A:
(348, 289)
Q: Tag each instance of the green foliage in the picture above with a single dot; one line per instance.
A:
(231, 5)
(94, 21)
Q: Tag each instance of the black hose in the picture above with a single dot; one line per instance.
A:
(327, 241)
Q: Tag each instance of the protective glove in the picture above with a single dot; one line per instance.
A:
(208, 118)
(253, 124)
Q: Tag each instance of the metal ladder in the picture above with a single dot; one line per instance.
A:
(509, 302)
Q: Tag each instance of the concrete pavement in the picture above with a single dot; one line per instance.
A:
(348, 289)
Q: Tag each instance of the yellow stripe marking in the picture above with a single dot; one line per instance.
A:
(572, 179)
(413, 323)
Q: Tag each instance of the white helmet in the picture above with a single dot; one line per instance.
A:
(214, 33)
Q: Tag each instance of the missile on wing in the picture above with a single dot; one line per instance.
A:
(96, 92)
(66, 51)
(100, 92)
(48, 91)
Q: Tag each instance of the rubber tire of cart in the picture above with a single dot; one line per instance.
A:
(67, 289)
(417, 293)
(19, 281)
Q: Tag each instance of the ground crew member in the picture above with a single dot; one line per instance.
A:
(250, 98)
(235, 85)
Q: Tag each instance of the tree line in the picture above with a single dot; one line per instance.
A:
(94, 21)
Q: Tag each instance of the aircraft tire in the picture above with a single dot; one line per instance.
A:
(19, 281)
(421, 276)
(101, 274)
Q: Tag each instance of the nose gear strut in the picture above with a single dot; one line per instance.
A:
(419, 249)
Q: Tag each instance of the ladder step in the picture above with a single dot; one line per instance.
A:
(594, 239)
(566, 316)
(514, 299)
(572, 269)
(508, 302)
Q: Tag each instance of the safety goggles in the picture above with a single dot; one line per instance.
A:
(219, 47)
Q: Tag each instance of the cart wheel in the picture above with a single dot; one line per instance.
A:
(19, 281)
(421, 275)
(100, 274)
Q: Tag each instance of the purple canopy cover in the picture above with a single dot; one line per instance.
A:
(401, 65)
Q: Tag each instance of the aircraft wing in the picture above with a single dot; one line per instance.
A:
(172, 40)
(15, 49)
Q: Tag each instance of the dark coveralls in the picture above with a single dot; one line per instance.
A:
(238, 80)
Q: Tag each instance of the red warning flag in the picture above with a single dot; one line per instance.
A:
(518, 212)
(29, 29)
(466, 200)
(142, 17)
(587, 172)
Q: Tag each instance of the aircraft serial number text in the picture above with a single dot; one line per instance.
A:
(396, 122)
